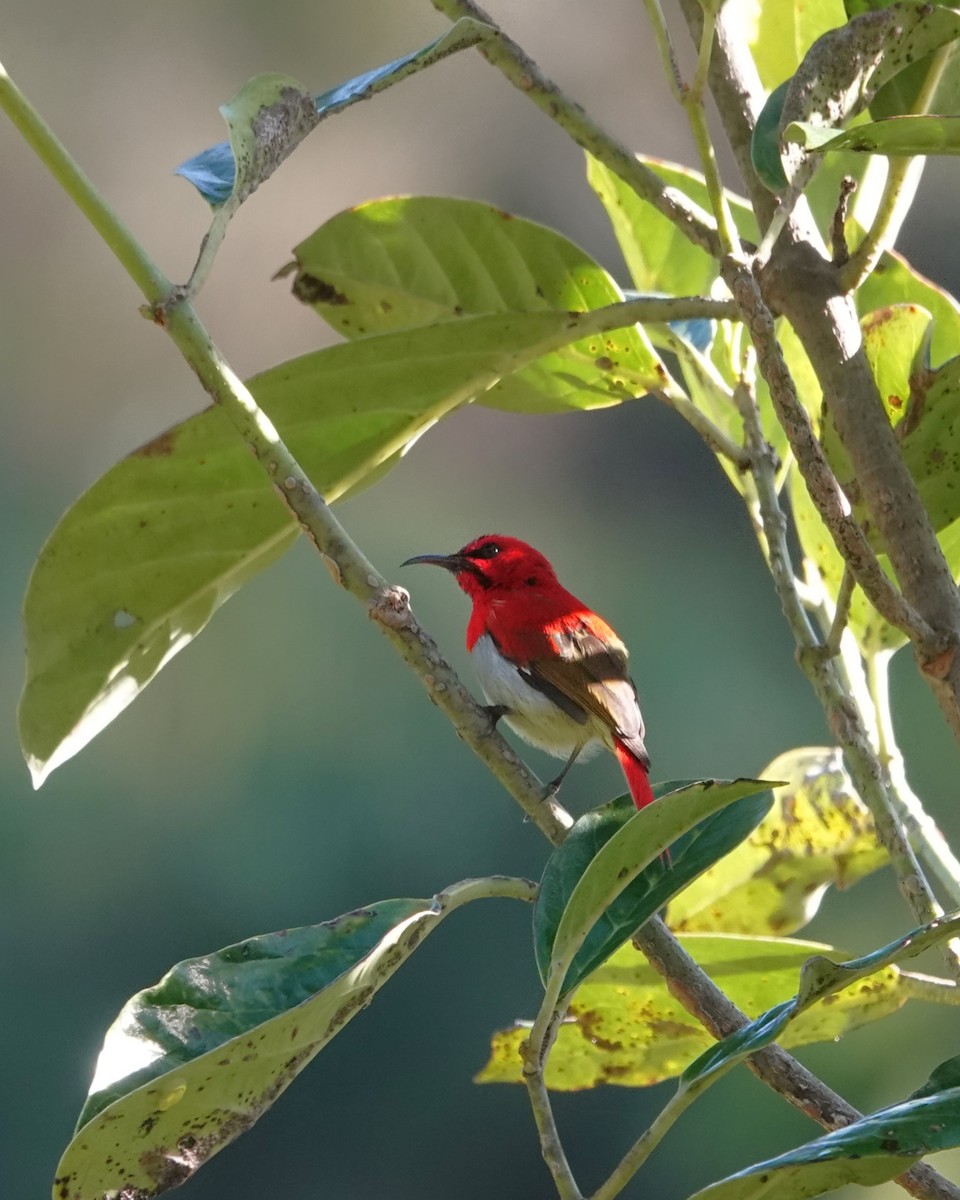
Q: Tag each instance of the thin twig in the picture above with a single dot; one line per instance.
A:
(923, 831)
(841, 614)
(534, 1054)
(838, 237)
(661, 35)
(645, 1145)
(930, 988)
(690, 98)
(718, 441)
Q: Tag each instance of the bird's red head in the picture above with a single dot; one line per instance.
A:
(494, 562)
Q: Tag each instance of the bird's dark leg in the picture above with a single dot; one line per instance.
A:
(554, 785)
(495, 712)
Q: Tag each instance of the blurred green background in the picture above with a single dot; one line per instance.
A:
(287, 767)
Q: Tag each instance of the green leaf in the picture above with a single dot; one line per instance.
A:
(930, 441)
(824, 562)
(896, 342)
(923, 406)
(658, 256)
(844, 69)
(946, 1075)
(620, 859)
(737, 1046)
(139, 564)
(821, 976)
(868, 1152)
(404, 261)
(690, 854)
(818, 834)
(193, 1062)
(906, 135)
(213, 171)
(765, 142)
(779, 35)
(895, 281)
(625, 1028)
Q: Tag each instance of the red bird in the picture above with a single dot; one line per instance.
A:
(553, 669)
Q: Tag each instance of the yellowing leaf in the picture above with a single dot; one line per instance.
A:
(626, 1029)
(819, 833)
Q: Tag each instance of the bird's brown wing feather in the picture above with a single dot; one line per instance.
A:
(591, 673)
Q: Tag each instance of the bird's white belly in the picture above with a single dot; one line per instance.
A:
(530, 713)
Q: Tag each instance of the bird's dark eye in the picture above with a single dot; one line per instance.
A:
(487, 550)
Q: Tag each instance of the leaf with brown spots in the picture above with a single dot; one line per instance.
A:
(193, 1062)
(411, 260)
(625, 1028)
(870, 1151)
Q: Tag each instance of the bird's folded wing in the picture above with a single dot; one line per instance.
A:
(591, 672)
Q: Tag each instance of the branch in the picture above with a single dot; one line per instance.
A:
(737, 92)
(513, 62)
(930, 988)
(843, 717)
(903, 175)
(700, 996)
(929, 607)
(831, 643)
(690, 99)
(534, 1053)
(920, 826)
(832, 505)
(804, 287)
(738, 95)
(647, 1142)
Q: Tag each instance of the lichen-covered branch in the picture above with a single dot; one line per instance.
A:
(850, 539)
(805, 288)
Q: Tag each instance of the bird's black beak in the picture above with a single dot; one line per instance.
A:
(451, 562)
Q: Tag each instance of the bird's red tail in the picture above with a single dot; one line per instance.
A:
(638, 781)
